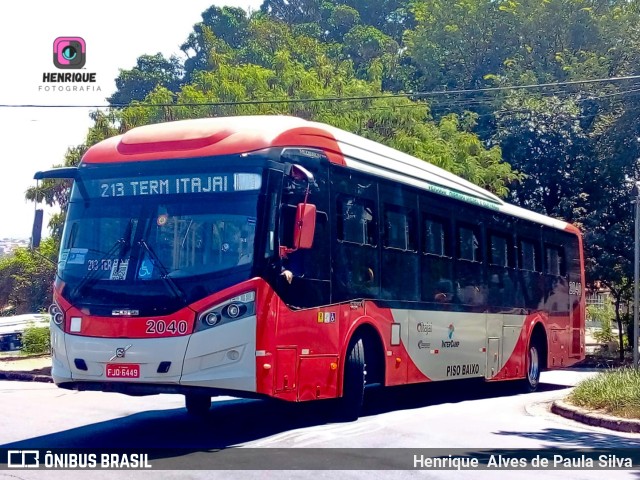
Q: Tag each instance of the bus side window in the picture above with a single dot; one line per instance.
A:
(529, 263)
(471, 289)
(500, 270)
(529, 256)
(437, 264)
(356, 222)
(469, 243)
(356, 264)
(554, 260)
(400, 262)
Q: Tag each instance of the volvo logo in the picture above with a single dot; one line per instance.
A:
(120, 352)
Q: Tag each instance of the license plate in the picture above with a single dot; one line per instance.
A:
(123, 370)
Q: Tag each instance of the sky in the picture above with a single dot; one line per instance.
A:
(116, 33)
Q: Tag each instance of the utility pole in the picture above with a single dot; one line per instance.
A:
(636, 273)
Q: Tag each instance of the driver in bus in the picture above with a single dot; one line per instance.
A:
(292, 263)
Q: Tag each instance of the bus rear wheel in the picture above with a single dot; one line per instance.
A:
(197, 404)
(532, 380)
(353, 384)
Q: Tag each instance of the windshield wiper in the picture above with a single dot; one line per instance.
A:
(164, 273)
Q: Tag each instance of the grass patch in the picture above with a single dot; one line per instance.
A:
(616, 392)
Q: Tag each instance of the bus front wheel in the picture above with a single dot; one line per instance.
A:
(197, 405)
(353, 383)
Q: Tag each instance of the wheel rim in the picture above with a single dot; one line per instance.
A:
(534, 366)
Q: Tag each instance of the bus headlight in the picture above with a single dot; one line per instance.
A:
(212, 319)
(235, 308)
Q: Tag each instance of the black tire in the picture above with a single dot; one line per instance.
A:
(353, 384)
(197, 405)
(532, 361)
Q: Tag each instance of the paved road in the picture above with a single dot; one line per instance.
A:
(446, 415)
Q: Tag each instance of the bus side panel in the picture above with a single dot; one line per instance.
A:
(318, 377)
(307, 346)
(400, 368)
(269, 304)
(577, 299)
(222, 357)
(448, 345)
(515, 342)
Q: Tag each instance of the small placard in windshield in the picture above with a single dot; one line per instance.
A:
(173, 185)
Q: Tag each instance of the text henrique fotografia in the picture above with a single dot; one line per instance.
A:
(69, 82)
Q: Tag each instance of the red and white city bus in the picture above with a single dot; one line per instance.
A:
(270, 256)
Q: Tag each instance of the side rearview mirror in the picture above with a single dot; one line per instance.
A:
(305, 226)
(36, 230)
(60, 173)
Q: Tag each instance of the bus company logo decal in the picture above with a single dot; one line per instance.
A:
(423, 344)
(451, 343)
(424, 327)
(69, 53)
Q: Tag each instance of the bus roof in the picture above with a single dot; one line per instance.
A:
(233, 135)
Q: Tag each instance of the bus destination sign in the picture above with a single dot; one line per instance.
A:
(172, 185)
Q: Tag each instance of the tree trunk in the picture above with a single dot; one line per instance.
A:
(620, 330)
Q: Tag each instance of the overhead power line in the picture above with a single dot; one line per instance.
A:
(434, 93)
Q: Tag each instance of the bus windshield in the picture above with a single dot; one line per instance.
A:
(156, 252)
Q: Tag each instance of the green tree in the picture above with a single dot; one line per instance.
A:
(221, 30)
(149, 72)
(602, 314)
(543, 139)
(271, 67)
(26, 278)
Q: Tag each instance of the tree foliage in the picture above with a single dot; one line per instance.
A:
(566, 148)
(26, 278)
(149, 72)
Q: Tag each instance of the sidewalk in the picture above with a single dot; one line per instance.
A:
(30, 369)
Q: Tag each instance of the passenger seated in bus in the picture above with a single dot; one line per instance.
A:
(443, 291)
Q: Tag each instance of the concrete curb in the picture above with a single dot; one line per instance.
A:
(25, 377)
(595, 419)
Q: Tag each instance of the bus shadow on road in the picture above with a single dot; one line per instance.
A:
(423, 395)
(235, 422)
